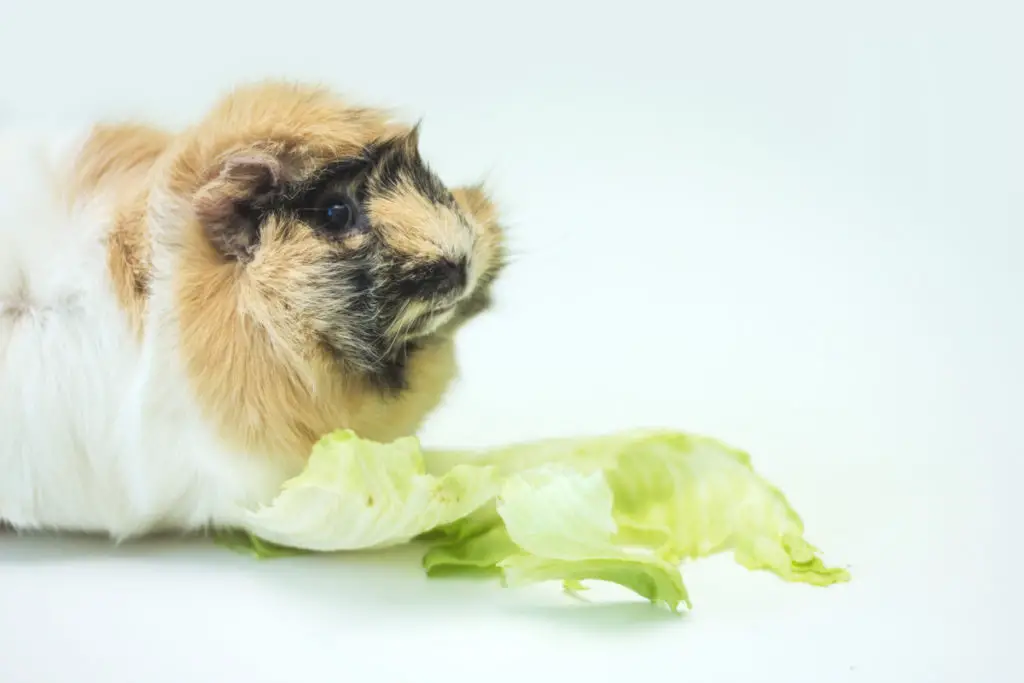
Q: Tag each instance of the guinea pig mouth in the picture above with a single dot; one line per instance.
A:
(429, 321)
(444, 308)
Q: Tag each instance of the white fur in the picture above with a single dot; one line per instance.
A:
(98, 432)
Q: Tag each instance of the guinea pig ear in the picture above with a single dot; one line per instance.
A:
(224, 204)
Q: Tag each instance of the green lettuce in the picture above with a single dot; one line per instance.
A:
(357, 494)
(627, 508)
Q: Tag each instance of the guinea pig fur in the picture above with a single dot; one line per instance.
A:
(184, 313)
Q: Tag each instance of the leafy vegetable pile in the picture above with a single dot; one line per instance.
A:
(626, 508)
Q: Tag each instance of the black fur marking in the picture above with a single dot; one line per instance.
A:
(362, 281)
(366, 307)
(428, 184)
(362, 304)
(388, 376)
(362, 193)
(395, 162)
(343, 168)
(370, 287)
(388, 172)
(382, 167)
(335, 179)
(339, 183)
(438, 278)
(340, 173)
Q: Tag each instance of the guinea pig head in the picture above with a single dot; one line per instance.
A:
(316, 257)
(332, 217)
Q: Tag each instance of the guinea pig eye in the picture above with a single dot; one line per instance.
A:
(338, 217)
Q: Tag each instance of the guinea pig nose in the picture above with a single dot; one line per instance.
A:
(451, 275)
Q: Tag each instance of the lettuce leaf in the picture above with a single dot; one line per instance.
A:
(357, 494)
(630, 509)
(626, 508)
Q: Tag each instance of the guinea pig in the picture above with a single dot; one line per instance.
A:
(184, 313)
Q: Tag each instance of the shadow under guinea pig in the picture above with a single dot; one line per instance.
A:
(390, 580)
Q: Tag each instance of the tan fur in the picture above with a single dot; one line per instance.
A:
(248, 332)
(248, 345)
(475, 202)
(243, 350)
(128, 260)
(401, 212)
(303, 127)
(117, 160)
(490, 237)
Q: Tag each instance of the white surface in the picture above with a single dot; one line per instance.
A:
(793, 227)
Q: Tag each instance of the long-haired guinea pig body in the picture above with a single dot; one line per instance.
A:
(183, 314)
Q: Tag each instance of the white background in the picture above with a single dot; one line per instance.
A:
(794, 225)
